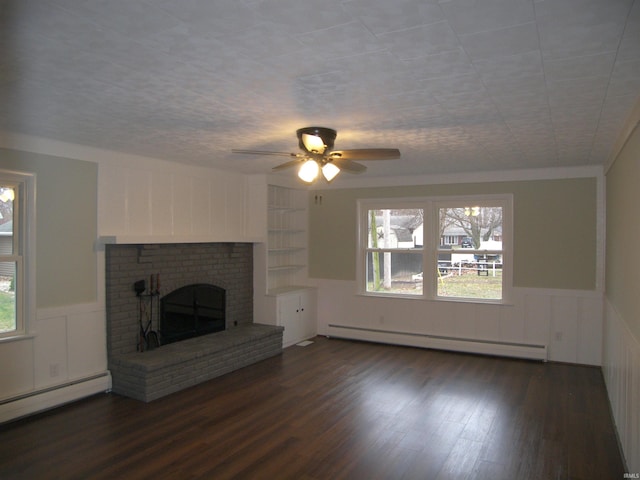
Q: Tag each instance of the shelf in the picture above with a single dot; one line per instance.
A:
(285, 230)
(286, 237)
(286, 249)
(283, 209)
(282, 268)
(288, 289)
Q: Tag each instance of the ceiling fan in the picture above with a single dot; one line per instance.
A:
(318, 155)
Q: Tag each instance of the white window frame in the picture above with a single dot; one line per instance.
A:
(364, 206)
(503, 201)
(23, 249)
(431, 206)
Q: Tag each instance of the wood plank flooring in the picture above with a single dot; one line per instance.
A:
(337, 409)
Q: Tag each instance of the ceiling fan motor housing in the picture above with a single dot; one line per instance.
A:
(327, 135)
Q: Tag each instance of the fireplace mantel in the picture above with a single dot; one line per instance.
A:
(167, 239)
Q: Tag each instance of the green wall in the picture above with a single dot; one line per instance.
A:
(66, 226)
(623, 232)
(554, 228)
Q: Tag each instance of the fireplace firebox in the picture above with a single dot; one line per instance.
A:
(191, 311)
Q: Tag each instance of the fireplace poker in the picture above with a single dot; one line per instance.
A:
(151, 335)
(142, 339)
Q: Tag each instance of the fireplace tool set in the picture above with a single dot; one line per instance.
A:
(148, 338)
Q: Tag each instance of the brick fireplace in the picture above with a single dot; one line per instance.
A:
(152, 374)
(227, 265)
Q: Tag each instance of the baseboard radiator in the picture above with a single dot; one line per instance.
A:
(33, 402)
(467, 345)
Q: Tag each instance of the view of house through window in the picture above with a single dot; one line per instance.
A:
(470, 252)
(394, 251)
(10, 262)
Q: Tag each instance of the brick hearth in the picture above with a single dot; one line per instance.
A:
(179, 365)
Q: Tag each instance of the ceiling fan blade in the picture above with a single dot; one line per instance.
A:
(263, 152)
(348, 165)
(366, 154)
(286, 165)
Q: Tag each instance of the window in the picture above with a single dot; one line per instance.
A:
(14, 192)
(463, 242)
(394, 251)
(474, 268)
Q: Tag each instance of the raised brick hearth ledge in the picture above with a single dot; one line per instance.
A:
(155, 373)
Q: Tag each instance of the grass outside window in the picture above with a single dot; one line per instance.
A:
(7, 307)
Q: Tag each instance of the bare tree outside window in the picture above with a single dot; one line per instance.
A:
(479, 223)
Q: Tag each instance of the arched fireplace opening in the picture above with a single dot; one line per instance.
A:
(191, 311)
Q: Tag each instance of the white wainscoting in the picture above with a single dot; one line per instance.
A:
(64, 358)
(567, 324)
(621, 366)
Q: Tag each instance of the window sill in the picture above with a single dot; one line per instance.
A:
(17, 337)
(475, 301)
(394, 296)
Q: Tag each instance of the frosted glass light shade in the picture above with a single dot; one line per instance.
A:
(330, 170)
(308, 171)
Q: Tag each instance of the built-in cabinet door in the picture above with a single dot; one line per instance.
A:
(296, 313)
(289, 318)
(308, 314)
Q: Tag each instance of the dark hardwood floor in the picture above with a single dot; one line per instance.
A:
(337, 409)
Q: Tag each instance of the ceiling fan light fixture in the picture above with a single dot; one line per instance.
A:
(309, 171)
(329, 171)
(317, 153)
(316, 139)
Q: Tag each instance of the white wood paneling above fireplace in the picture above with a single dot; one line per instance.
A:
(164, 203)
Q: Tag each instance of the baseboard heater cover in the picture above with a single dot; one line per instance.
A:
(55, 396)
(466, 345)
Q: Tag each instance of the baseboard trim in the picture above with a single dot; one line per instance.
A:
(466, 345)
(28, 404)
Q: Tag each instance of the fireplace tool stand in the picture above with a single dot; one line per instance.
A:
(148, 337)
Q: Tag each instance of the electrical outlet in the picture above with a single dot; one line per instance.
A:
(54, 370)
(558, 336)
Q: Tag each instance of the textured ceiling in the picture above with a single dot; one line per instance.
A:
(456, 85)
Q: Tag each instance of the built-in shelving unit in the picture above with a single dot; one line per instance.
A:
(290, 301)
(287, 238)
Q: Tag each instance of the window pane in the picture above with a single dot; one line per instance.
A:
(7, 297)
(463, 272)
(471, 227)
(401, 228)
(6, 220)
(394, 272)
